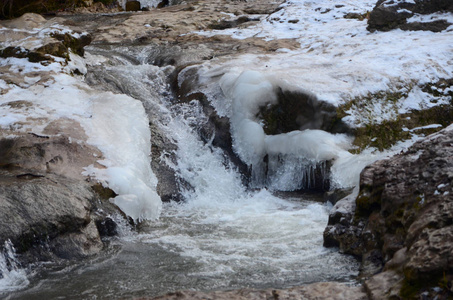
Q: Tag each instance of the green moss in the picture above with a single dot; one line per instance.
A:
(385, 134)
(15, 8)
(103, 192)
(410, 290)
(368, 201)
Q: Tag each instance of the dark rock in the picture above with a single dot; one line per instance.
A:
(23, 53)
(297, 110)
(76, 44)
(217, 132)
(107, 227)
(169, 185)
(133, 5)
(40, 210)
(224, 24)
(334, 196)
(163, 3)
(388, 15)
(385, 18)
(435, 26)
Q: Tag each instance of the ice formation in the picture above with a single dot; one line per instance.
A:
(115, 124)
(290, 155)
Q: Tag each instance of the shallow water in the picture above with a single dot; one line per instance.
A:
(259, 241)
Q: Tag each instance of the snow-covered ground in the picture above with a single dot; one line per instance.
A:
(338, 59)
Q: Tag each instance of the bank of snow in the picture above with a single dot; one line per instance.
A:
(115, 124)
(338, 58)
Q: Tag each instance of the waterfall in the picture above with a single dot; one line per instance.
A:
(224, 235)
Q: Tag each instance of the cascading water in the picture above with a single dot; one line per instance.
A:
(12, 277)
(223, 236)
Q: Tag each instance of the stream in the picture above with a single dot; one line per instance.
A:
(224, 236)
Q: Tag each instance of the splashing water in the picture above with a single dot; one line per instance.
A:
(12, 277)
(222, 237)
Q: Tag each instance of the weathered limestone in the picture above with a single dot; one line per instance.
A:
(402, 224)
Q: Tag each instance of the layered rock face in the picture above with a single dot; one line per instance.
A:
(402, 224)
(46, 204)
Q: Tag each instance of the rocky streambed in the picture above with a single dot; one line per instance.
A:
(54, 171)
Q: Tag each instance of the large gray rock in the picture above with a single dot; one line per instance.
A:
(48, 209)
(402, 222)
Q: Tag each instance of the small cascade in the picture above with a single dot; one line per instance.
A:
(282, 135)
(12, 276)
(224, 235)
(287, 172)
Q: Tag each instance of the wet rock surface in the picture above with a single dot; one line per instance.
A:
(46, 204)
(322, 290)
(402, 222)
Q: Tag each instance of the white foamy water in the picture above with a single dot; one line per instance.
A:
(257, 240)
(222, 237)
(12, 276)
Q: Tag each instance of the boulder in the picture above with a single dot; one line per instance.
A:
(390, 14)
(49, 210)
(297, 110)
(402, 221)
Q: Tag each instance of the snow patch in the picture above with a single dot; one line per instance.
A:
(115, 124)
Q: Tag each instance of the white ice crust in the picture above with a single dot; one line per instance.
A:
(115, 124)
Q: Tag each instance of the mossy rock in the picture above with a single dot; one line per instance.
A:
(75, 44)
(104, 193)
(15, 8)
(387, 133)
